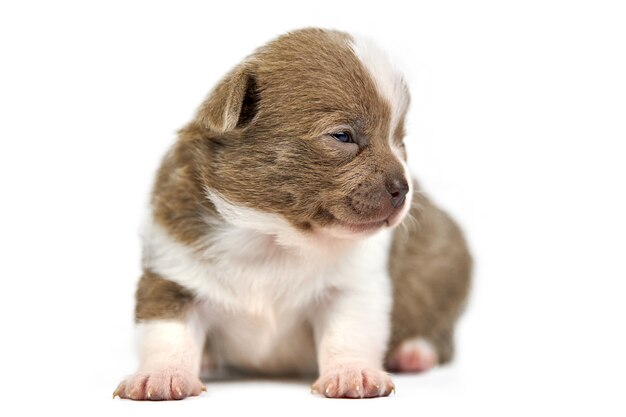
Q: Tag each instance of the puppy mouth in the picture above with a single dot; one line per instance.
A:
(371, 225)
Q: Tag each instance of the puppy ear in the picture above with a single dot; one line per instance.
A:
(232, 103)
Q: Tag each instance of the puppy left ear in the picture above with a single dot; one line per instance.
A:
(232, 103)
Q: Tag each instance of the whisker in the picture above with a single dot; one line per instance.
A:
(417, 223)
(414, 223)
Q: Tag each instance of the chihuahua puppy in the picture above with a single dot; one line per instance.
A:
(273, 243)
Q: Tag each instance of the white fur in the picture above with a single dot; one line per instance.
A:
(269, 296)
(391, 87)
(264, 302)
(423, 346)
(170, 344)
(388, 80)
(266, 225)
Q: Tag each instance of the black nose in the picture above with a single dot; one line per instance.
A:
(397, 189)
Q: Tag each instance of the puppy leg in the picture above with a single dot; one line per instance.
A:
(413, 355)
(171, 340)
(430, 268)
(351, 335)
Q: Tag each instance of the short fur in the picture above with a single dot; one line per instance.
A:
(274, 241)
(430, 269)
(160, 298)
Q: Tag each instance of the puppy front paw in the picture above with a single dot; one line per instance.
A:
(159, 385)
(353, 382)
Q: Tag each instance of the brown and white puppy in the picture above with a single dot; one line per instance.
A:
(272, 244)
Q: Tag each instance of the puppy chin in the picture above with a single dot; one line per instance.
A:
(353, 230)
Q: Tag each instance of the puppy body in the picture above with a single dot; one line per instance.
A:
(260, 300)
(272, 243)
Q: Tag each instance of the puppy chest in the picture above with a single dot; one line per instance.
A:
(266, 342)
(257, 316)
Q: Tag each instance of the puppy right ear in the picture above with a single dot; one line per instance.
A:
(232, 103)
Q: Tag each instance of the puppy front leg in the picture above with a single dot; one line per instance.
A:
(351, 333)
(171, 340)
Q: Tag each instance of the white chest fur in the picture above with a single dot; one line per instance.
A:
(256, 296)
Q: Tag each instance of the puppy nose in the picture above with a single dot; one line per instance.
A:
(397, 189)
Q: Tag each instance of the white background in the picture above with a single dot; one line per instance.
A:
(517, 127)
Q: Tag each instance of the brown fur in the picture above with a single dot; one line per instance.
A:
(430, 269)
(255, 129)
(261, 143)
(178, 199)
(158, 298)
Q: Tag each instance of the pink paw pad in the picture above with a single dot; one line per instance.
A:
(413, 355)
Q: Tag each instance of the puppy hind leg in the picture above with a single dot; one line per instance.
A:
(413, 355)
(420, 354)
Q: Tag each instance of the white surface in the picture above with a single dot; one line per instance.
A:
(517, 126)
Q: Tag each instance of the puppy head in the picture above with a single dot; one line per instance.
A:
(309, 130)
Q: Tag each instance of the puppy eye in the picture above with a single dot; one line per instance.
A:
(344, 137)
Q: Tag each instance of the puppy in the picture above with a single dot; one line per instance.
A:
(272, 245)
